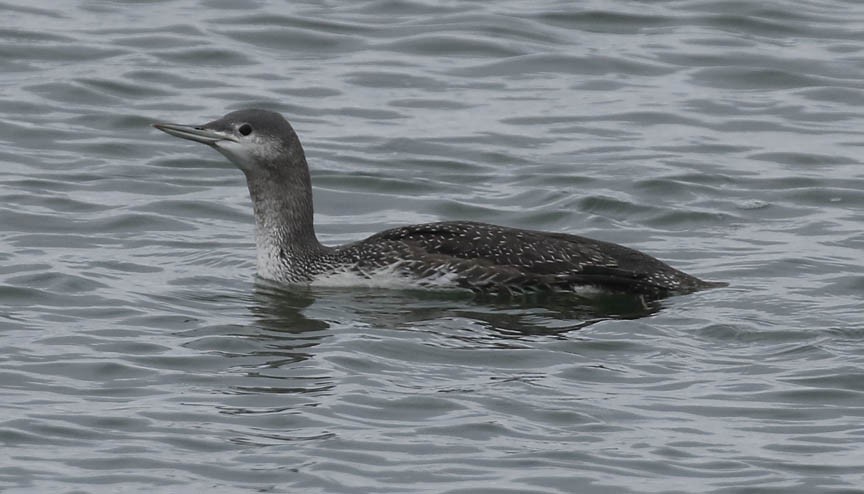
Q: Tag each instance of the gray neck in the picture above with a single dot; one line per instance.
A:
(284, 230)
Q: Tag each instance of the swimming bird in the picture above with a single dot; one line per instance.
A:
(468, 255)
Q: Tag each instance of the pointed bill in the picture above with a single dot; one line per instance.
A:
(195, 133)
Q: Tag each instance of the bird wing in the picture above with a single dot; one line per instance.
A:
(486, 257)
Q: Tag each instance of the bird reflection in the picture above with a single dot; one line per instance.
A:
(305, 312)
(295, 331)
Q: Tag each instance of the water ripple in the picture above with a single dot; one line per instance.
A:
(140, 354)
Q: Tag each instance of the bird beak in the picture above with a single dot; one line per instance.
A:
(195, 133)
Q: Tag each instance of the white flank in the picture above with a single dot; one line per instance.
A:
(588, 291)
(391, 276)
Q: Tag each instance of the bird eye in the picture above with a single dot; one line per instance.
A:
(245, 129)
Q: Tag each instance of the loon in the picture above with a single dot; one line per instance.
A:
(479, 257)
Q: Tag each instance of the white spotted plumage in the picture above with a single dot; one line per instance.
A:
(458, 255)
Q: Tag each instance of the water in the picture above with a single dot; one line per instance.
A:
(139, 354)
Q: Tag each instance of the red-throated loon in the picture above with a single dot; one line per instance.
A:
(459, 255)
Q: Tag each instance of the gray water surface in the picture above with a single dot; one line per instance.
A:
(138, 352)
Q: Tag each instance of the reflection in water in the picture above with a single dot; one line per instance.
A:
(286, 363)
(281, 309)
(313, 349)
(278, 350)
(302, 338)
(284, 310)
(557, 314)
